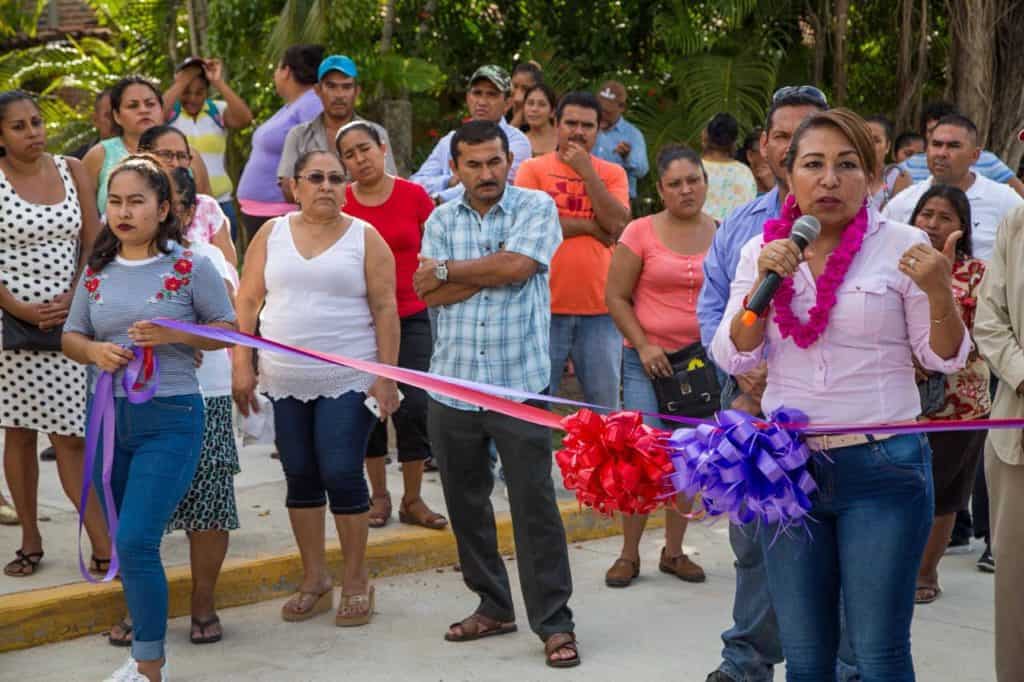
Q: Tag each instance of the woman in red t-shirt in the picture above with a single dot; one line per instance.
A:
(397, 208)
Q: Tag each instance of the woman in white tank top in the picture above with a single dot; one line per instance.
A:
(328, 284)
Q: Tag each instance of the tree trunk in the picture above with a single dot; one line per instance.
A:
(1008, 102)
(842, 10)
(912, 63)
(388, 28)
(396, 117)
(193, 34)
(973, 24)
(818, 24)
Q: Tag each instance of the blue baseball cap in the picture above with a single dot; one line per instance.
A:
(337, 62)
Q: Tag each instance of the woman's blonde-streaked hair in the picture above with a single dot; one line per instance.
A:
(854, 128)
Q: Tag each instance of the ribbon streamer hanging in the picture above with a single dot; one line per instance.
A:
(140, 380)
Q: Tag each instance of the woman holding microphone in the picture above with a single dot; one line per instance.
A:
(854, 309)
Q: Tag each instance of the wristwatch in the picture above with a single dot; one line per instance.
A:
(441, 271)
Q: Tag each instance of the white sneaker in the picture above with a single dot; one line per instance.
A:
(129, 672)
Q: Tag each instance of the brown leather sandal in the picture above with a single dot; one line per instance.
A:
(380, 510)
(24, 565)
(557, 642)
(477, 626)
(622, 573)
(422, 516)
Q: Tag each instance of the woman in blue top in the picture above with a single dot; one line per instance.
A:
(137, 271)
(137, 106)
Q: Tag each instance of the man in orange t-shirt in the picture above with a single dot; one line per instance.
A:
(593, 207)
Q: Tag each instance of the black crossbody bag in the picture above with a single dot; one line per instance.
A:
(693, 389)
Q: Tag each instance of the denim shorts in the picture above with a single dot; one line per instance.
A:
(322, 444)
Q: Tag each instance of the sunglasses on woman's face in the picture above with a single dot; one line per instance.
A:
(318, 177)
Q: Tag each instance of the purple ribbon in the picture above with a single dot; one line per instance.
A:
(746, 468)
(138, 389)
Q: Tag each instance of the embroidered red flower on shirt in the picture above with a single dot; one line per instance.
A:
(92, 285)
(173, 282)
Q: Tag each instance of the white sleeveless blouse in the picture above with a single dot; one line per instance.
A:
(320, 304)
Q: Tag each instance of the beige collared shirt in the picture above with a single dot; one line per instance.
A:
(998, 328)
(312, 136)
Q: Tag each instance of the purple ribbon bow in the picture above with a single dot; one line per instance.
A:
(746, 468)
(138, 388)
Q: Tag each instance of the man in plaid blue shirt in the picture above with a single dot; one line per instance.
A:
(484, 267)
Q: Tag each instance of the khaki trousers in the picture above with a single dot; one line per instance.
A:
(1006, 506)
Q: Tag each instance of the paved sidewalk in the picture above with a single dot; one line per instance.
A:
(660, 628)
(265, 529)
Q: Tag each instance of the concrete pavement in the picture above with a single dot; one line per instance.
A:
(660, 628)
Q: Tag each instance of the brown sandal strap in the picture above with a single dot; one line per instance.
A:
(479, 622)
(560, 640)
(23, 561)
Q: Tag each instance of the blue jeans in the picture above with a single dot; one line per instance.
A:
(873, 513)
(322, 444)
(229, 211)
(595, 346)
(752, 646)
(156, 451)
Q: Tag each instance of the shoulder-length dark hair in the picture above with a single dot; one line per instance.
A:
(956, 197)
(107, 244)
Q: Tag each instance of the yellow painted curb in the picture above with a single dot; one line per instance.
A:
(54, 614)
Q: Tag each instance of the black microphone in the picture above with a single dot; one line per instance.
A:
(805, 230)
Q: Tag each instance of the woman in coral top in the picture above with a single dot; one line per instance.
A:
(653, 283)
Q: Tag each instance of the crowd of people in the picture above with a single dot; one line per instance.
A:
(516, 253)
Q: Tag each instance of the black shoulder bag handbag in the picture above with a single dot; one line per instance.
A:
(21, 335)
(693, 389)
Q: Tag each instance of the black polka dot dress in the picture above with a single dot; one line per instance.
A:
(40, 390)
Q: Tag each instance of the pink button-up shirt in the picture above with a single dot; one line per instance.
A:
(861, 369)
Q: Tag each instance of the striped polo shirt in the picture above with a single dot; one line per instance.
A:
(210, 140)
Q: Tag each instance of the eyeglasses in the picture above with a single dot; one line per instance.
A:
(808, 91)
(168, 156)
(318, 177)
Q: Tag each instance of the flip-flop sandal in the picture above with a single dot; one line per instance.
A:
(202, 625)
(322, 602)
(480, 629)
(124, 641)
(926, 594)
(24, 562)
(360, 608)
(561, 640)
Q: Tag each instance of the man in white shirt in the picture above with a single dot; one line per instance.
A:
(952, 150)
(489, 90)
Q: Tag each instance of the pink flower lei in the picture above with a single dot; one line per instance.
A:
(805, 334)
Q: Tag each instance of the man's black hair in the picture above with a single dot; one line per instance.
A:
(478, 132)
(796, 100)
(586, 100)
(933, 111)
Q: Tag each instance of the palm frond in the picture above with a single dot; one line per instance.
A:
(20, 17)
